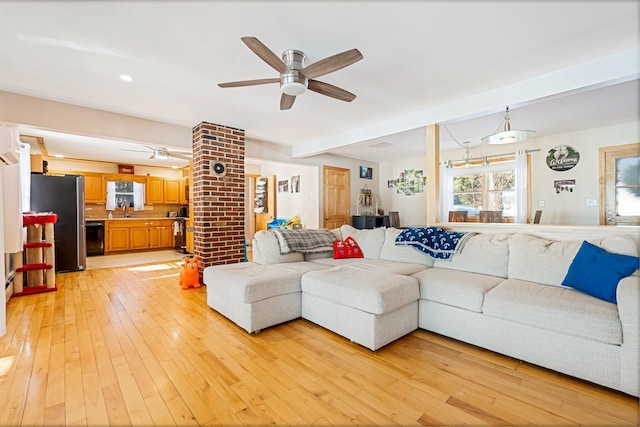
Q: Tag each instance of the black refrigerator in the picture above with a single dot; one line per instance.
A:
(64, 196)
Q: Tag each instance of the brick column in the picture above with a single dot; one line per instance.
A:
(218, 201)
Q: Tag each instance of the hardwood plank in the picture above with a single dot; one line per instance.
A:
(159, 412)
(116, 406)
(131, 395)
(15, 398)
(36, 398)
(74, 397)
(96, 407)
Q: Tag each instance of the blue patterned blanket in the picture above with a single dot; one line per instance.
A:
(433, 241)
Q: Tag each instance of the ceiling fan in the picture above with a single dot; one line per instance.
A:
(160, 153)
(295, 78)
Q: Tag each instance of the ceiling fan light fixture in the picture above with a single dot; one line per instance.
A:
(508, 136)
(161, 154)
(293, 88)
(293, 83)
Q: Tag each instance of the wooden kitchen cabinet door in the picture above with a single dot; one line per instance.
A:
(95, 188)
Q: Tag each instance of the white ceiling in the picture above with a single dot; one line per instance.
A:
(453, 62)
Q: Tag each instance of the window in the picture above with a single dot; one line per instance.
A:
(620, 196)
(492, 191)
(128, 194)
(124, 194)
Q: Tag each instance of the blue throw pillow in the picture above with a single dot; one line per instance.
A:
(597, 272)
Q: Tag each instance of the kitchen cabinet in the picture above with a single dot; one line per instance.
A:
(154, 190)
(117, 239)
(95, 188)
(139, 237)
(183, 189)
(161, 236)
(138, 234)
(171, 191)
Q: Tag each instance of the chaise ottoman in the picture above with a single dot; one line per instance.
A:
(371, 307)
(256, 296)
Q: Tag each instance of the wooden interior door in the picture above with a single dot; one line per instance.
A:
(336, 197)
(269, 213)
(619, 185)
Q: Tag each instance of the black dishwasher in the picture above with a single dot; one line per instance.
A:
(95, 237)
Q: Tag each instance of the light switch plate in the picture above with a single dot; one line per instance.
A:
(591, 203)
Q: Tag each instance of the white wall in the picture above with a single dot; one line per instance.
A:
(559, 209)
(411, 209)
(304, 203)
(571, 208)
(282, 154)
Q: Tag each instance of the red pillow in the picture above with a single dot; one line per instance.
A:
(347, 249)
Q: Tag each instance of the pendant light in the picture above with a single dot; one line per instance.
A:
(467, 154)
(507, 136)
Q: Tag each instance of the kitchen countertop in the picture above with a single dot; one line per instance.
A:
(155, 218)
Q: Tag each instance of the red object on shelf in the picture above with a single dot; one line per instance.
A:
(32, 267)
(37, 245)
(35, 290)
(39, 218)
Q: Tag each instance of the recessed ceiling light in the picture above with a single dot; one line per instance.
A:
(126, 78)
(174, 167)
(60, 156)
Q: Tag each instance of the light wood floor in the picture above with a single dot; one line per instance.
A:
(127, 346)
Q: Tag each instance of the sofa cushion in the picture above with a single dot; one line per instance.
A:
(455, 288)
(554, 308)
(540, 260)
(392, 252)
(597, 272)
(373, 291)
(546, 261)
(404, 268)
(346, 249)
(248, 282)
(266, 249)
(370, 241)
(485, 253)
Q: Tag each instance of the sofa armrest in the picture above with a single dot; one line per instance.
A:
(628, 297)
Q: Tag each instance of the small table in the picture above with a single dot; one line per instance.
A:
(369, 221)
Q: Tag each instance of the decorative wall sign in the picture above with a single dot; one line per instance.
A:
(564, 185)
(409, 182)
(562, 158)
(128, 169)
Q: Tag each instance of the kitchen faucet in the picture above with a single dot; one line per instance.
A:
(124, 210)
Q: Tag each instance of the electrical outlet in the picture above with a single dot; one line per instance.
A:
(591, 203)
(541, 203)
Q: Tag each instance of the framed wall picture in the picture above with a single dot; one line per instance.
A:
(366, 173)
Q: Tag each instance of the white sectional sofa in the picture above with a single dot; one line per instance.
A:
(503, 292)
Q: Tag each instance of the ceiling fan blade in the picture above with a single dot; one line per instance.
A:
(135, 151)
(330, 90)
(265, 54)
(179, 156)
(286, 101)
(249, 82)
(332, 63)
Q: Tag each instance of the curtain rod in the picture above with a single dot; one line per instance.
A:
(492, 156)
